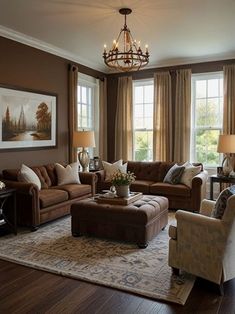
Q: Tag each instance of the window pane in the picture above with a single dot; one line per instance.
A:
(213, 88)
(139, 96)
(139, 110)
(206, 147)
(84, 110)
(201, 88)
(207, 106)
(148, 110)
(143, 145)
(148, 123)
(138, 123)
(148, 94)
(84, 98)
(200, 114)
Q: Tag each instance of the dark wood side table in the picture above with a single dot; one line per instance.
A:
(5, 195)
(220, 180)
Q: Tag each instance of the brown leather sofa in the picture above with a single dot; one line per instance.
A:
(34, 206)
(149, 180)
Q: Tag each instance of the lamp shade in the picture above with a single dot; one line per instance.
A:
(226, 143)
(84, 139)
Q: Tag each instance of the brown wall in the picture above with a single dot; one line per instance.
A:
(26, 67)
(112, 82)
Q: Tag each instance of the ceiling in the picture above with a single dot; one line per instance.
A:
(177, 31)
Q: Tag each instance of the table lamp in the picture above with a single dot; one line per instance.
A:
(226, 145)
(84, 139)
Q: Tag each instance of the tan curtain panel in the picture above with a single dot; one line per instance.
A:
(229, 99)
(103, 119)
(162, 117)
(73, 82)
(123, 120)
(182, 116)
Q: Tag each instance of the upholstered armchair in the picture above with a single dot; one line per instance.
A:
(204, 246)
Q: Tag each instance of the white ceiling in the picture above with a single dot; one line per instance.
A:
(177, 31)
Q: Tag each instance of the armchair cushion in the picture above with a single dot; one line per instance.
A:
(221, 202)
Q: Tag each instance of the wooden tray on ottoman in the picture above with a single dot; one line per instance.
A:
(134, 196)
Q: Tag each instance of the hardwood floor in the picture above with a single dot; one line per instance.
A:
(25, 290)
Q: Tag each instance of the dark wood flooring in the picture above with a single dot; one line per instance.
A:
(26, 290)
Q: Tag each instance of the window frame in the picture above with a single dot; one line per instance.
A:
(92, 83)
(195, 77)
(136, 83)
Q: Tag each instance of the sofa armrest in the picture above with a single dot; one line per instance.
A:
(88, 178)
(27, 202)
(206, 207)
(22, 187)
(199, 189)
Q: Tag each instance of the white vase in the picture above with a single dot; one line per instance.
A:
(122, 190)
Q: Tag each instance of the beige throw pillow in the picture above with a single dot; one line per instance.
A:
(110, 169)
(28, 175)
(189, 173)
(68, 174)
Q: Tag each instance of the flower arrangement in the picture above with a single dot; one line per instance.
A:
(120, 178)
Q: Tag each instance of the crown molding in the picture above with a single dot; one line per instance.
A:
(41, 45)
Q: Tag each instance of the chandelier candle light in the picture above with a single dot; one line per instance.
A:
(84, 139)
(125, 54)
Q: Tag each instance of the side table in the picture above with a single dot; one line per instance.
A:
(5, 195)
(219, 179)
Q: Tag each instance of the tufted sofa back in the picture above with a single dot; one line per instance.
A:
(152, 171)
(47, 174)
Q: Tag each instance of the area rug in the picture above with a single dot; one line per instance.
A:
(114, 264)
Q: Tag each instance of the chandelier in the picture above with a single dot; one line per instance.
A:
(125, 54)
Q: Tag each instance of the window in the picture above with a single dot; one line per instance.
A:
(87, 107)
(207, 117)
(143, 120)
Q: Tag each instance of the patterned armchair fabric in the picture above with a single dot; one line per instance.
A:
(202, 245)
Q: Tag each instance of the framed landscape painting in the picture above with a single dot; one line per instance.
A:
(27, 119)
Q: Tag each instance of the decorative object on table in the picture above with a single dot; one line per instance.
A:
(126, 54)
(84, 139)
(226, 145)
(2, 185)
(28, 119)
(220, 171)
(122, 182)
(97, 163)
(91, 164)
(113, 199)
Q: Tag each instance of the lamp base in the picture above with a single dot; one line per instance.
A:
(226, 165)
(84, 159)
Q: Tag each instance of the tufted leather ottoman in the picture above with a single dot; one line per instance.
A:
(138, 222)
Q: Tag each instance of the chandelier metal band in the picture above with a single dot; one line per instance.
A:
(129, 56)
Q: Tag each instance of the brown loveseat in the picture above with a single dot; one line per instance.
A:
(149, 180)
(35, 206)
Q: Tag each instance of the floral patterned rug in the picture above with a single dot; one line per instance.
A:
(114, 264)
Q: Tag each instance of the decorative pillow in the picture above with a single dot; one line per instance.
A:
(221, 202)
(189, 173)
(68, 174)
(110, 169)
(26, 174)
(174, 174)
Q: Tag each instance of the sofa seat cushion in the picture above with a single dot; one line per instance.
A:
(74, 190)
(48, 197)
(169, 189)
(141, 186)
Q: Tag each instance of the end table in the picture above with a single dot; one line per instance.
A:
(5, 195)
(220, 180)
